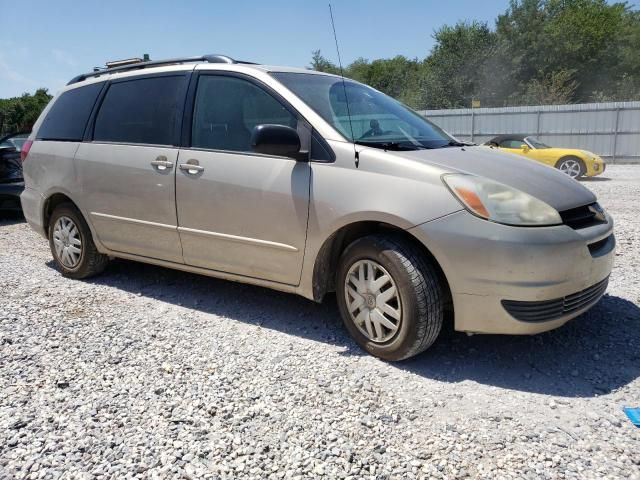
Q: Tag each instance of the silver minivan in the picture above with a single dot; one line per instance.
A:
(310, 183)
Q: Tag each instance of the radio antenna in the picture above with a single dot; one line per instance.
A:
(344, 88)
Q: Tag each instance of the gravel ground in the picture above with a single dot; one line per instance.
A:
(146, 372)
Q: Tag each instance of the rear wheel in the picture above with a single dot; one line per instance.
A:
(390, 297)
(72, 244)
(572, 166)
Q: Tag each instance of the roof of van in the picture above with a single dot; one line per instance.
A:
(189, 63)
(280, 68)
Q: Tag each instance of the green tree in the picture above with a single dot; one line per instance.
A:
(18, 114)
(321, 64)
(457, 69)
(590, 38)
(397, 77)
(556, 88)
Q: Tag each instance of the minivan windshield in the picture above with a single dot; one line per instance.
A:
(377, 120)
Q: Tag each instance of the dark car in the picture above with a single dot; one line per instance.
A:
(11, 181)
(15, 140)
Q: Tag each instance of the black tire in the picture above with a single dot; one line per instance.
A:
(91, 261)
(421, 294)
(565, 160)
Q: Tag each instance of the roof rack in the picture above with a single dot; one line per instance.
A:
(211, 58)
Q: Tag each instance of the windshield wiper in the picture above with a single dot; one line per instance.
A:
(455, 143)
(404, 145)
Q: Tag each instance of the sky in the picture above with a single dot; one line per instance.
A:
(45, 43)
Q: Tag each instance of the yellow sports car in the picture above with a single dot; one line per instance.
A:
(575, 163)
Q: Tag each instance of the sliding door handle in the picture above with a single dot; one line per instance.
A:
(161, 163)
(192, 167)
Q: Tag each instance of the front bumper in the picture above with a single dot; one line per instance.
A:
(32, 208)
(487, 264)
(595, 168)
(10, 195)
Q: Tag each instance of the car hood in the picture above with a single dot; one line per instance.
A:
(588, 154)
(545, 183)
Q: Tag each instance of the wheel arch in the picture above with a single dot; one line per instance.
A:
(326, 260)
(49, 205)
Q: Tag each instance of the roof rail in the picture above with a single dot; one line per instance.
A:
(211, 58)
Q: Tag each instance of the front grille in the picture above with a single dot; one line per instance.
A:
(543, 311)
(582, 217)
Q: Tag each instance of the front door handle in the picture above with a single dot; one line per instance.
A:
(192, 167)
(162, 164)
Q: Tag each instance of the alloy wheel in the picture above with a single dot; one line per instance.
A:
(571, 168)
(373, 300)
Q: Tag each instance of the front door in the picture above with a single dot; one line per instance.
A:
(127, 171)
(238, 211)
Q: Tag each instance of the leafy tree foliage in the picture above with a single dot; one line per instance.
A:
(539, 52)
(321, 64)
(457, 69)
(398, 76)
(20, 113)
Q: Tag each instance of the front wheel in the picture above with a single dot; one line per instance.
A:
(572, 166)
(390, 297)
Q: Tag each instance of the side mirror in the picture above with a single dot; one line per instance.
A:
(277, 140)
(524, 147)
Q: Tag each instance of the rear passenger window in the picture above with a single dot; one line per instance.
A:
(68, 116)
(140, 111)
(228, 108)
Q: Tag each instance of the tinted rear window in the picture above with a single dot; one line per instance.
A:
(68, 116)
(140, 111)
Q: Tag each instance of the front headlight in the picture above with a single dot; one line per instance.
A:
(500, 203)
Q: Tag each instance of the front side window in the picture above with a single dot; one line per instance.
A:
(512, 143)
(140, 111)
(377, 120)
(228, 108)
(535, 143)
(68, 116)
